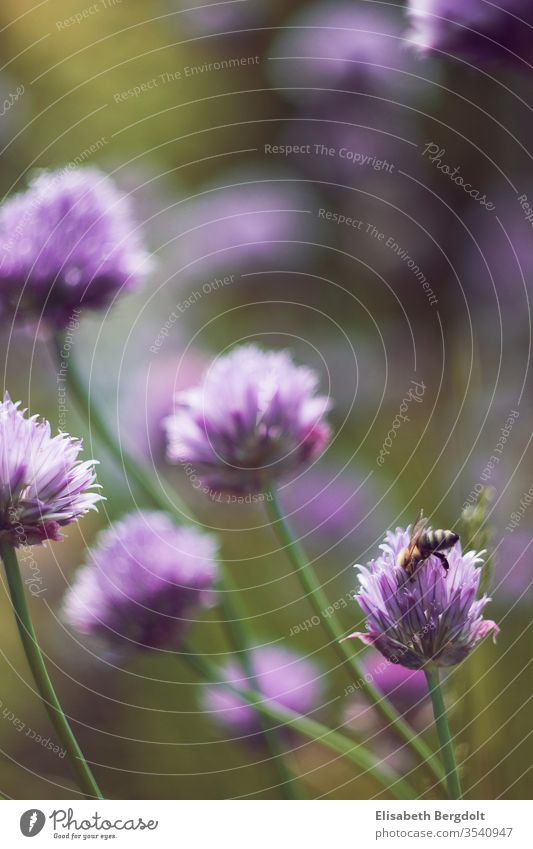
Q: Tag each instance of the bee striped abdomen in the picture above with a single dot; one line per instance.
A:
(439, 540)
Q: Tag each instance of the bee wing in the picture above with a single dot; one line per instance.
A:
(417, 531)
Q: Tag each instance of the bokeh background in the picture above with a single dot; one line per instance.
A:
(189, 110)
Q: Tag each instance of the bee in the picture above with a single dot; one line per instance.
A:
(423, 544)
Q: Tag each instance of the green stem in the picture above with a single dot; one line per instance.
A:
(310, 728)
(443, 731)
(98, 425)
(241, 640)
(35, 660)
(320, 603)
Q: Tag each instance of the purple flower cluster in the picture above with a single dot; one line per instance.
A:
(281, 676)
(142, 581)
(68, 241)
(256, 417)
(477, 29)
(431, 617)
(43, 486)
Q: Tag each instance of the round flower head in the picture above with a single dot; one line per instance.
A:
(432, 616)
(142, 579)
(279, 675)
(43, 485)
(477, 29)
(255, 417)
(68, 241)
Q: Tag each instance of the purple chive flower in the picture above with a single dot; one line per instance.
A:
(256, 417)
(282, 677)
(432, 617)
(477, 29)
(66, 242)
(43, 486)
(143, 579)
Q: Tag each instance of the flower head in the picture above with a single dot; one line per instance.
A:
(431, 617)
(68, 241)
(255, 417)
(279, 675)
(476, 29)
(142, 579)
(43, 485)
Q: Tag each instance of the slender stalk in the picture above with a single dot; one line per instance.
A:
(443, 731)
(234, 622)
(241, 640)
(312, 729)
(35, 660)
(320, 603)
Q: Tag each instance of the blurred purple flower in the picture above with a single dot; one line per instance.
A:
(281, 676)
(342, 45)
(68, 241)
(244, 225)
(513, 574)
(431, 617)
(476, 29)
(43, 486)
(142, 580)
(255, 418)
(407, 690)
(329, 506)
